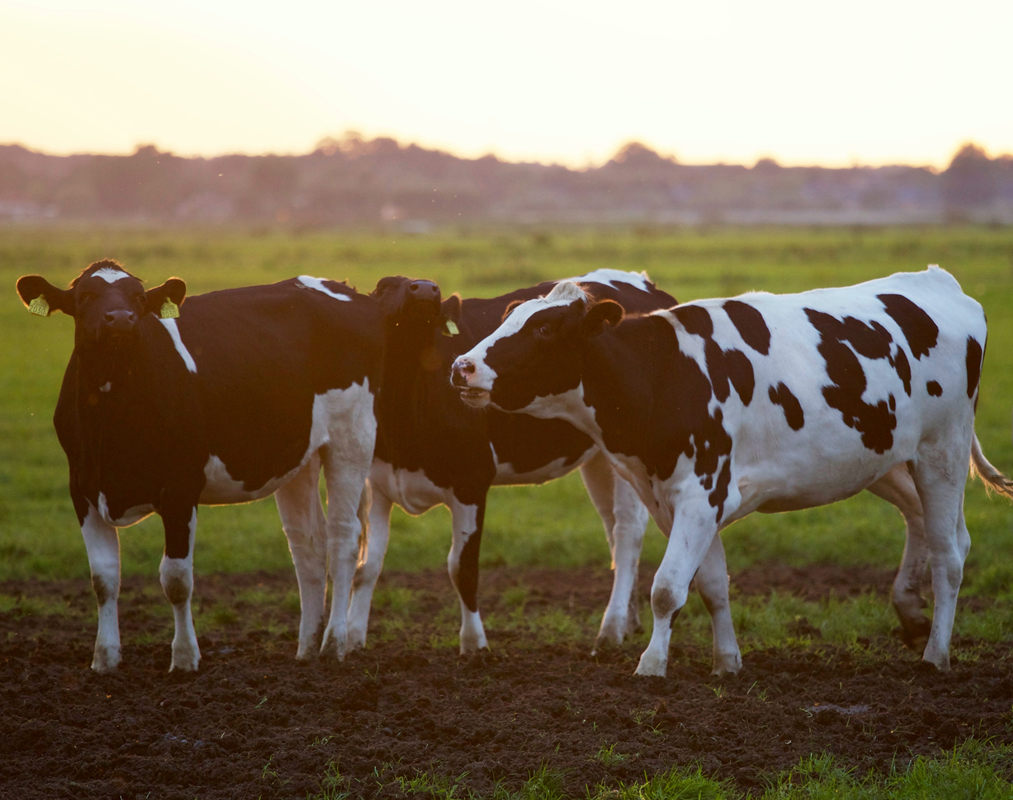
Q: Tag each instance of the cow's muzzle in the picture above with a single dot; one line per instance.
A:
(461, 375)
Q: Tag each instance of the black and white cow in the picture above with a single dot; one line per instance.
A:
(247, 393)
(432, 449)
(718, 408)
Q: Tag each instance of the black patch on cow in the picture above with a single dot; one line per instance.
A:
(720, 494)
(893, 402)
(657, 415)
(781, 396)
(695, 319)
(875, 423)
(903, 367)
(918, 327)
(934, 389)
(749, 322)
(974, 354)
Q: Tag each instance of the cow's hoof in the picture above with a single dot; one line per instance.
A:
(915, 635)
(105, 661)
(334, 646)
(727, 664)
(650, 667)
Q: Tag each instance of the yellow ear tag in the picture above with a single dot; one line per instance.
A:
(39, 306)
(169, 310)
(450, 329)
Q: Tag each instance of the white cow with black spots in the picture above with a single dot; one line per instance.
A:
(718, 408)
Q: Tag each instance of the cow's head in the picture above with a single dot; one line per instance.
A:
(105, 301)
(413, 311)
(538, 351)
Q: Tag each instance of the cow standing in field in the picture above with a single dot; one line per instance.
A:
(240, 394)
(718, 408)
(432, 449)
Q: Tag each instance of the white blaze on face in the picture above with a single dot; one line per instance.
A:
(563, 294)
(317, 284)
(611, 277)
(171, 327)
(109, 274)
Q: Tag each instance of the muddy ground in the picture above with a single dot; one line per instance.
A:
(255, 723)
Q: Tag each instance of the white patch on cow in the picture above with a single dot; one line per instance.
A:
(107, 386)
(177, 582)
(317, 284)
(507, 476)
(130, 517)
(611, 277)
(102, 543)
(109, 274)
(410, 489)
(173, 329)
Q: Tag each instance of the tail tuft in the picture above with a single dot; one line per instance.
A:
(994, 480)
(365, 501)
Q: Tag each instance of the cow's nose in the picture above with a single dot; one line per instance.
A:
(424, 290)
(463, 368)
(121, 319)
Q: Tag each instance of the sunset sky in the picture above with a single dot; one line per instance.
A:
(868, 81)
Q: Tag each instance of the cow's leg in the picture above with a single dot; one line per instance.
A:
(625, 519)
(712, 582)
(898, 487)
(346, 459)
(940, 478)
(693, 531)
(368, 570)
(102, 542)
(462, 564)
(176, 573)
(302, 518)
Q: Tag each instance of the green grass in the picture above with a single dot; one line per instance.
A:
(549, 525)
(974, 770)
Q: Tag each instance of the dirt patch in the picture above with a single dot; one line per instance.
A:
(254, 722)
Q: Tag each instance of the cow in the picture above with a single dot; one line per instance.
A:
(718, 408)
(432, 449)
(226, 398)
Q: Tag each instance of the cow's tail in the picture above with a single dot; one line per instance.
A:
(994, 480)
(365, 501)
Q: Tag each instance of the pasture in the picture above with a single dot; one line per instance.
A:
(828, 699)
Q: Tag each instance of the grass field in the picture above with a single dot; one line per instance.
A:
(552, 525)
(38, 532)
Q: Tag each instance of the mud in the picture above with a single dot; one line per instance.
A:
(253, 722)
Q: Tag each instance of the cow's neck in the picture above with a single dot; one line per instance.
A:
(404, 396)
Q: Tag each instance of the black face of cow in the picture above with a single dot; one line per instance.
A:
(538, 351)
(413, 307)
(105, 301)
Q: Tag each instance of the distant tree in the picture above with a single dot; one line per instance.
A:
(638, 156)
(970, 180)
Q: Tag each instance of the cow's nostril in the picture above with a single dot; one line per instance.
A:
(467, 367)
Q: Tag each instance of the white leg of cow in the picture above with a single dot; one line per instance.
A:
(177, 582)
(693, 530)
(102, 542)
(346, 459)
(625, 519)
(712, 583)
(898, 487)
(462, 564)
(940, 483)
(302, 518)
(368, 570)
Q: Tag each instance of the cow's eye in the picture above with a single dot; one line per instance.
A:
(544, 331)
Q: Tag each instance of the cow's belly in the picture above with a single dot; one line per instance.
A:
(507, 476)
(410, 489)
(334, 414)
(221, 488)
(130, 516)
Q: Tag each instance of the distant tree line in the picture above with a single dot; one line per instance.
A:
(354, 181)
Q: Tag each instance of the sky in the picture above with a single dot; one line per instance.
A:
(864, 82)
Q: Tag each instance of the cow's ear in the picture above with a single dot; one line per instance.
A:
(450, 310)
(510, 308)
(164, 301)
(605, 312)
(42, 298)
